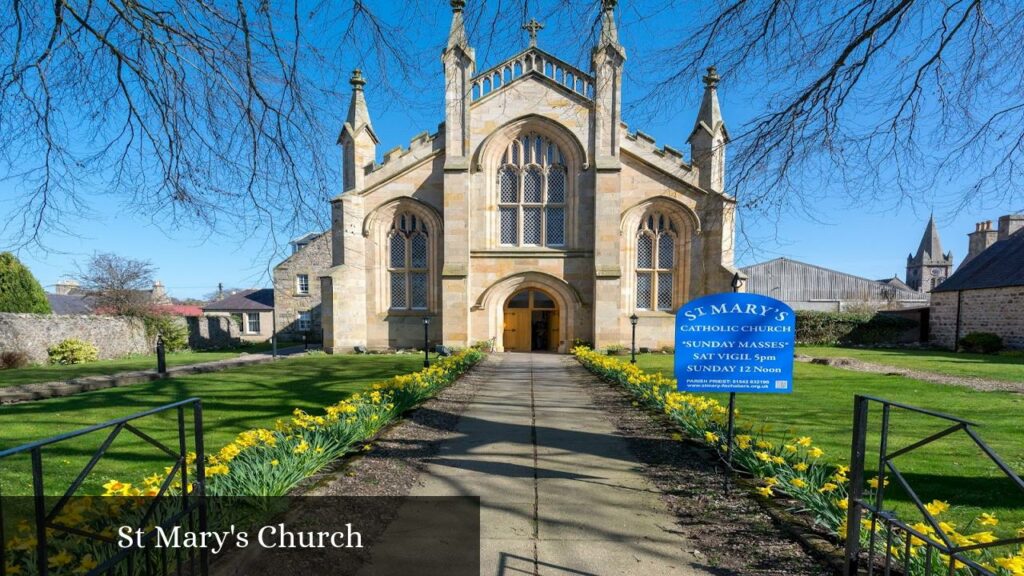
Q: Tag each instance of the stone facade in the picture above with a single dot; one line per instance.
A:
(929, 267)
(114, 336)
(456, 225)
(209, 332)
(297, 289)
(996, 310)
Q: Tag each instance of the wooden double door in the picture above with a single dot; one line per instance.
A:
(531, 322)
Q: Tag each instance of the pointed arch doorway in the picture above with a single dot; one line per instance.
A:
(531, 322)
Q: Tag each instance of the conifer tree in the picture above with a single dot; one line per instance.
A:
(19, 289)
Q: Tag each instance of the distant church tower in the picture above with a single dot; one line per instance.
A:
(929, 267)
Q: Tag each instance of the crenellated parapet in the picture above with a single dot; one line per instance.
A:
(533, 61)
(398, 159)
(664, 157)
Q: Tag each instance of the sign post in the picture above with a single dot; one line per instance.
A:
(735, 343)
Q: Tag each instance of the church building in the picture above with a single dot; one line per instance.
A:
(930, 266)
(532, 217)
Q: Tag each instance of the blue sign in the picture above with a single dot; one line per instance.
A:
(735, 342)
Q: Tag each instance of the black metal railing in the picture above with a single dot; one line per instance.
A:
(178, 501)
(892, 545)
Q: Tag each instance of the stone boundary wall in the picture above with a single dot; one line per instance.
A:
(996, 310)
(114, 336)
(211, 332)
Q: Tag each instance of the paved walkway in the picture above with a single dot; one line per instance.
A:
(59, 388)
(561, 494)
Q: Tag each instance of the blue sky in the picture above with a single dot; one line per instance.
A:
(867, 240)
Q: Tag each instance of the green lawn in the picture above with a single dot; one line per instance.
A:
(52, 373)
(951, 469)
(1006, 366)
(233, 401)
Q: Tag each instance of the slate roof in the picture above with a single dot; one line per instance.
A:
(245, 301)
(895, 281)
(998, 266)
(70, 303)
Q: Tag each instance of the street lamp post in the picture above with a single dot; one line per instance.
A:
(161, 357)
(737, 281)
(632, 349)
(426, 342)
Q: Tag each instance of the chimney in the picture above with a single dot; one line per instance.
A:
(1010, 224)
(977, 241)
(65, 287)
(159, 294)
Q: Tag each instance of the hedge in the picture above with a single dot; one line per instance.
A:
(828, 328)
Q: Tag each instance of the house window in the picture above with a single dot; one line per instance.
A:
(655, 258)
(408, 262)
(305, 321)
(302, 284)
(252, 322)
(532, 193)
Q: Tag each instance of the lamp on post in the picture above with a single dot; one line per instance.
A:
(737, 282)
(161, 357)
(426, 342)
(632, 349)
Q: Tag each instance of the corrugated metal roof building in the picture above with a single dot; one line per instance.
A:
(808, 287)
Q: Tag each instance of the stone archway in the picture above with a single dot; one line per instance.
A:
(566, 298)
(531, 322)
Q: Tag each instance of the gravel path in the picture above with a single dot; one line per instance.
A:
(981, 384)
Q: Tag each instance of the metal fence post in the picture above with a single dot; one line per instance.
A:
(853, 513)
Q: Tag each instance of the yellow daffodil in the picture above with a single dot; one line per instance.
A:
(804, 441)
(61, 559)
(765, 491)
(815, 452)
(798, 482)
(987, 519)
(86, 564)
(936, 507)
(711, 437)
(800, 467)
(874, 483)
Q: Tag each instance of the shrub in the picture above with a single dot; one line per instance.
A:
(19, 289)
(175, 333)
(73, 351)
(829, 328)
(13, 359)
(981, 342)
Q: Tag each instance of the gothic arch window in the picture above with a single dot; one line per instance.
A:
(532, 181)
(408, 262)
(656, 254)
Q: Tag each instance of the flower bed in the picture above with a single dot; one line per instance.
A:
(265, 462)
(794, 468)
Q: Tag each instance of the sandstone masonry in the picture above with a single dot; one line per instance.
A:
(114, 336)
(293, 298)
(996, 310)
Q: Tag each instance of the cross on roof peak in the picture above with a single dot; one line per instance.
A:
(533, 27)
